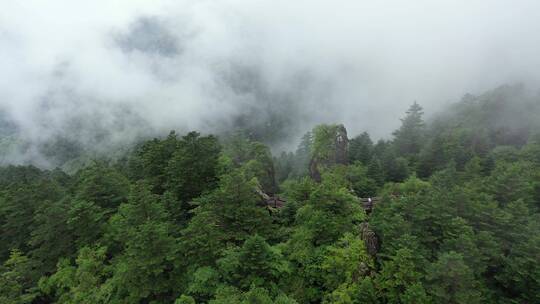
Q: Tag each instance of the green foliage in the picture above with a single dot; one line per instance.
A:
(254, 264)
(16, 284)
(256, 160)
(185, 300)
(329, 146)
(361, 183)
(510, 182)
(452, 281)
(409, 137)
(230, 214)
(23, 191)
(142, 232)
(83, 283)
(149, 161)
(346, 262)
(192, 168)
(51, 238)
(204, 283)
(330, 211)
(375, 171)
(298, 190)
(323, 144)
(102, 185)
(86, 222)
(521, 267)
(399, 277)
(236, 205)
(185, 219)
(181, 169)
(361, 149)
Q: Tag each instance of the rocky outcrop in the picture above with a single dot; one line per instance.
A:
(330, 147)
(341, 146)
(269, 201)
(370, 238)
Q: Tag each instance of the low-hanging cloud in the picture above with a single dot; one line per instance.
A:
(107, 72)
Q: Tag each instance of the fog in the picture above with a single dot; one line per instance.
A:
(107, 72)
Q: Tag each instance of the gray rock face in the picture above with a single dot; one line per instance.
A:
(341, 146)
(370, 238)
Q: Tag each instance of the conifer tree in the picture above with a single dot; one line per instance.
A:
(409, 137)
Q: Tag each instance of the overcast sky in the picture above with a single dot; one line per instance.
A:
(201, 64)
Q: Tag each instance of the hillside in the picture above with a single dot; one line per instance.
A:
(185, 218)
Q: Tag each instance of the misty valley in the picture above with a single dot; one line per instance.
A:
(446, 209)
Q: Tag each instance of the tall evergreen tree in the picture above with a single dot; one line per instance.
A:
(361, 149)
(408, 139)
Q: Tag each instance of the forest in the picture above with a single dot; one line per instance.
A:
(445, 210)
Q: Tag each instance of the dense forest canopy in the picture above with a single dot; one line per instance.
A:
(445, 211)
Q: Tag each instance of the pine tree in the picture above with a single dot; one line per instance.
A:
(361, 149)
(408, 139)
(229, 214)
(254, 264)
(192, 168)
(142, 232)
(450, 280)
(16, 283)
